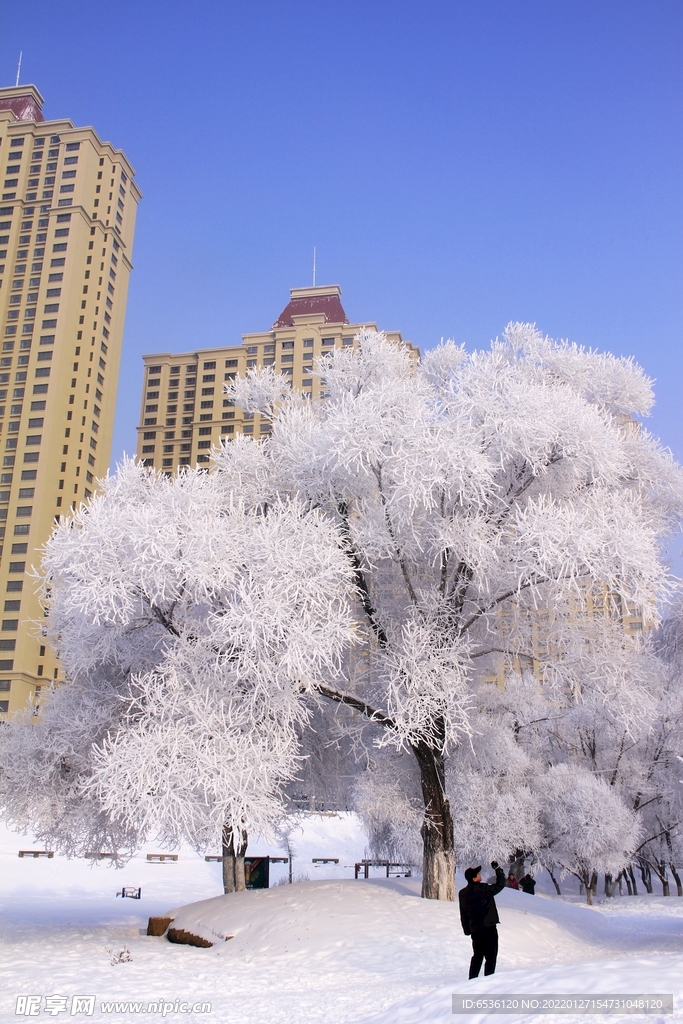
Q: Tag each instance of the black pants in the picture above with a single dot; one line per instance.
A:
(484, 947)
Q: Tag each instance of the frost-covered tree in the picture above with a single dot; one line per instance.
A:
(658, 795)
(588, 828)
(460, 486)
(193, 623)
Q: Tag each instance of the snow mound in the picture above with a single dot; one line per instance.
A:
(317, 917)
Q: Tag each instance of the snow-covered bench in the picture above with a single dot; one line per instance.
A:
(36, 853)
(365, 865)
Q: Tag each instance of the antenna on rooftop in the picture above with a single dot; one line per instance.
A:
(21, 54)
(314, 266)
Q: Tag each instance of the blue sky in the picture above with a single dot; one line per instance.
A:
(456, 164)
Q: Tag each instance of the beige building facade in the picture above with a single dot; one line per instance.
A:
(67, 216)
(184, 412)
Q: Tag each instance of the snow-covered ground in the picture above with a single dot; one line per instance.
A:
(328, 950)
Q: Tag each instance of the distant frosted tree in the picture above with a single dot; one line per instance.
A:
(455, 486)
(193, 624)
(588, 828)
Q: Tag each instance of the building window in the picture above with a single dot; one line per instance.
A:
(210, 366)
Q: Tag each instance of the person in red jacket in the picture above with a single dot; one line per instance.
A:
(512, 882)
(479, 917)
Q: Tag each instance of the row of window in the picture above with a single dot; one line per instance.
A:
(251, 350)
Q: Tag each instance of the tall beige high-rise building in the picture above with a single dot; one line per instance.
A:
(184, 411)
(67, 216)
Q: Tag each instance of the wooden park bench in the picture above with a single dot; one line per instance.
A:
(325, 860)
(404, 870)
(216, 857)
(160, 858)
(99, 856)
(36, 853)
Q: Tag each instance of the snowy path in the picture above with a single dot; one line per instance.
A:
(331, 951)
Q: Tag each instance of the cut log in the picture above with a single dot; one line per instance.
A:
(158, 925)
(184, 938)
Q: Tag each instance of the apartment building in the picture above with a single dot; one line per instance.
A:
(184, 411)
(67, 216)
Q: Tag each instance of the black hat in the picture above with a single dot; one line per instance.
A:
(471, 873)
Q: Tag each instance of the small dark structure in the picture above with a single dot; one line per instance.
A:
(36, 853)
(130, 892)
(325, 860)
(257, 872)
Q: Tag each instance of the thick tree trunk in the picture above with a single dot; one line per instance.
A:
(629, 890)
(589, 883)
(646, 876)
(438, 863)
(677, 879)
(517, 865)
(233, 861)
(609, 884)
(663, 878)
(633, 880)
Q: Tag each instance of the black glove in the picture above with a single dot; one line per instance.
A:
(494, 864)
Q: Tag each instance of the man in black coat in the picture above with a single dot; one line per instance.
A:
(479, 916)
(528, 884)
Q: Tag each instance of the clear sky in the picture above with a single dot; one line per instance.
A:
(456, 164)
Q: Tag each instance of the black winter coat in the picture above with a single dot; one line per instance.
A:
(477, 906)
